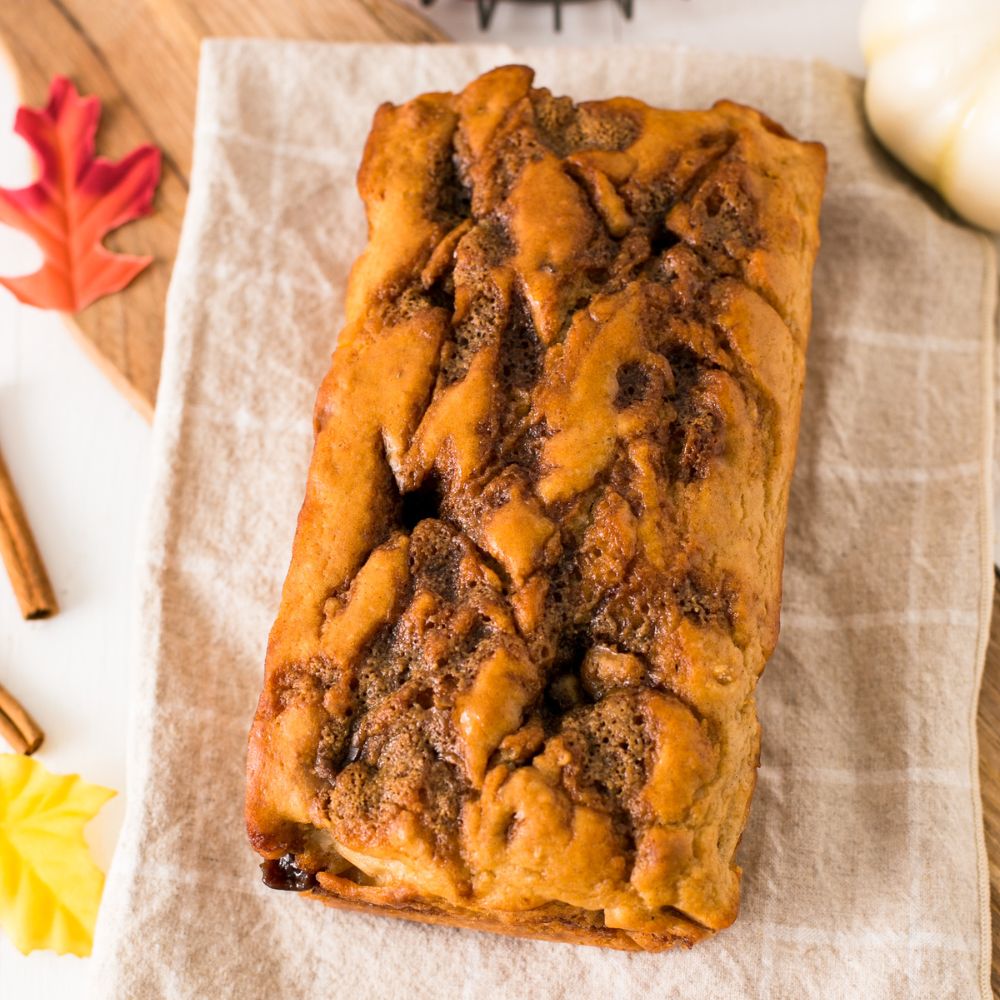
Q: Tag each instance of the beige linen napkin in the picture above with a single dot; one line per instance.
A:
(863, 856)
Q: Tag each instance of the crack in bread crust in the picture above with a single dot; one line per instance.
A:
(537, 570)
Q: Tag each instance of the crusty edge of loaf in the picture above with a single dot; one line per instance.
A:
(523, 924)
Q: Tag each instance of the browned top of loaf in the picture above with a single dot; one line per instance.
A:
(537, 570)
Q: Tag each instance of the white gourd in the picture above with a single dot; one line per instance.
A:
(933, 95)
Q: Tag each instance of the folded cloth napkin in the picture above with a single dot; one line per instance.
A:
(864, 865)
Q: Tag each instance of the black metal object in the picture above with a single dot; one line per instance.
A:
(487, 7)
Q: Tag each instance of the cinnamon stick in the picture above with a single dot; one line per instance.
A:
(20, 555)
(17, 727)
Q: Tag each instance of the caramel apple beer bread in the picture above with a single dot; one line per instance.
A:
(537, 571)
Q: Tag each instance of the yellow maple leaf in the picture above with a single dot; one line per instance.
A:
(50, 886)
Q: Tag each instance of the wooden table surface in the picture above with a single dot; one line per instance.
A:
(989, 774)
(148, 92)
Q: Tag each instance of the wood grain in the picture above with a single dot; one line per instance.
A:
(989, 773)
(141, 58)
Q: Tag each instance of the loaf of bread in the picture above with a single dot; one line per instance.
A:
(537, 571)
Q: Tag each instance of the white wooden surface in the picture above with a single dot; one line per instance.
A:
(825, 29)
(80, 455)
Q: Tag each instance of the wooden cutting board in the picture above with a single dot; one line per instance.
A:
(140, 57)
(989, 773)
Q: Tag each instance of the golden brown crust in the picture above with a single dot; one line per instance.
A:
(546, 923)
(537, 571)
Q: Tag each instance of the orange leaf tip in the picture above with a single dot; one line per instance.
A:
(76, 201)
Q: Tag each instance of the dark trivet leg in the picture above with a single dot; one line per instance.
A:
(486, 8)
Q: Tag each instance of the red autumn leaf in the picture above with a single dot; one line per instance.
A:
(77, 200)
